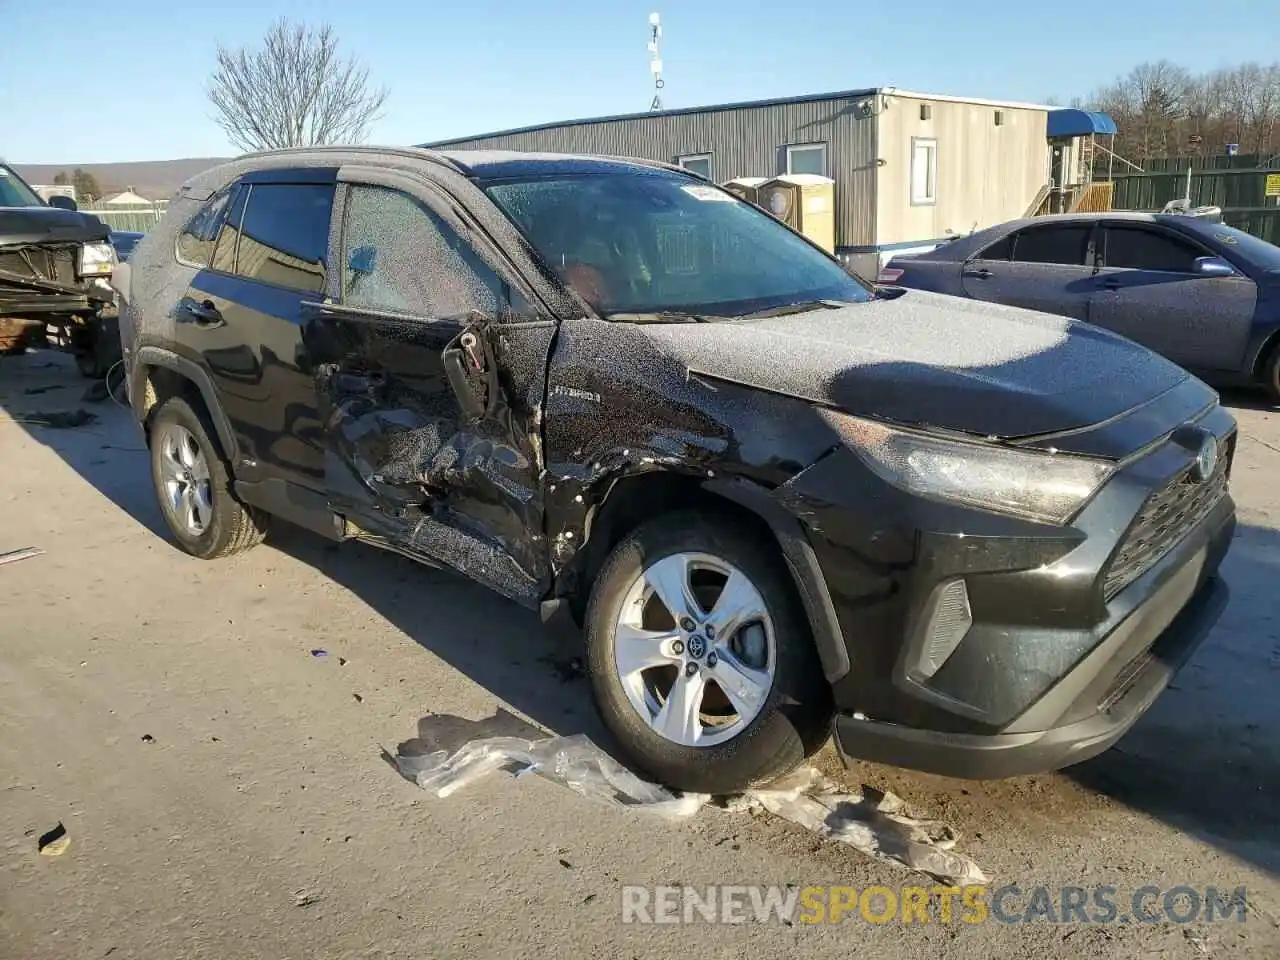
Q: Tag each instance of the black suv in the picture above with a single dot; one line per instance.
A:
(54, 268)
(982, 539)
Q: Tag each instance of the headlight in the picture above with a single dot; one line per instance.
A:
(96, 259)
(1037, 486)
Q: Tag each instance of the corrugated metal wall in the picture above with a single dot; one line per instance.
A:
(742, 141)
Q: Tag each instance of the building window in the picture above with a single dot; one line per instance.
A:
(699, 163)
(924, 170)
(807, 158)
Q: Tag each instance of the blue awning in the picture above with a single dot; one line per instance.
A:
(1079, 123)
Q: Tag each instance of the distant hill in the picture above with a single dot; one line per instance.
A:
(153, 179)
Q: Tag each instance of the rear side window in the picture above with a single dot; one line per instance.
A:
(1000, 250)
(284, 235)
(400, 257)
(1136, 248)
(1062, 244)
(195, 244)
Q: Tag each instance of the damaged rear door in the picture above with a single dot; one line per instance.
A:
(431, 432)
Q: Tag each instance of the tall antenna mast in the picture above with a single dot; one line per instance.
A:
(655, 60)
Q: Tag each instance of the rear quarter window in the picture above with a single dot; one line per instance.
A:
(196, 242)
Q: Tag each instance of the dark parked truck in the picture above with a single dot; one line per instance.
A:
(54, 266)
(969, 538)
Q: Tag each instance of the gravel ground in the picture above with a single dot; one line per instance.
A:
(226, 796)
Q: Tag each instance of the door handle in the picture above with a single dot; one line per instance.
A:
(202, 312)
(982, 273)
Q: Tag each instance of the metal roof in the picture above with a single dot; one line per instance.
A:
(743, 105)
(520, 163)
(1079, 123)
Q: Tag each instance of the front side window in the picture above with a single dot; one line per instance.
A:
(401, 257)
(284, 235)
(1061, 245)
(924, 170)
(699, 163)
(196, 242)
(648, 242)
(807, 158)
(1137, 248)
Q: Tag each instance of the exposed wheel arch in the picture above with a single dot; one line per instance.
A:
(1266, 371)
(639, 497)
(160, 373)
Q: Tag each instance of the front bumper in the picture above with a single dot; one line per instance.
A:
(1115, 690)
(1061, 656)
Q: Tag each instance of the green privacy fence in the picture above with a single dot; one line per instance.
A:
(1241, 193)
(136, 218)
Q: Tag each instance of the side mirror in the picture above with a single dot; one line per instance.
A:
(1213, 267)
(63, 203)
(362, 260)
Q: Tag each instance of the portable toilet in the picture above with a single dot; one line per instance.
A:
(805, 202)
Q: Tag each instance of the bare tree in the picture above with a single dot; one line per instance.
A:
(1159, 108)
(293, 91)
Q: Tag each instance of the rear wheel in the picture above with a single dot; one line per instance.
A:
(193, 484)
(702, 664)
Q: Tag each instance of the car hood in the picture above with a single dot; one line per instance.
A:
(24, 225)
(931, 360)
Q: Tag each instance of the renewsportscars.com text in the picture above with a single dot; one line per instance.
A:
(1008, 904)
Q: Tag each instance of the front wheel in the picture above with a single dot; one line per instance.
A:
(702, 663)
(99, 350)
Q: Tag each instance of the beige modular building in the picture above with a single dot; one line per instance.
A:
(910, 169)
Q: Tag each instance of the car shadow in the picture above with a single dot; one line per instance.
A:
(1249, 399)
(1206, 757)
(536, 669)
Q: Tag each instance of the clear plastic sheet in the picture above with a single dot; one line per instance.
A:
(873, 823)
(574, 761)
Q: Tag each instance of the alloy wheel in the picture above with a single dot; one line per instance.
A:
(187, 493)
(694, 649)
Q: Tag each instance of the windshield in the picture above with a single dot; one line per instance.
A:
(15, 193)
(1254, 249)
(659, 243)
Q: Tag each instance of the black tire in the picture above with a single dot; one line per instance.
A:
(1271, 375)
(795, 719)
(234, 526)
(100, 350)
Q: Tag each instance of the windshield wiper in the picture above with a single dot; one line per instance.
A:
(660, 316)
(803, 306)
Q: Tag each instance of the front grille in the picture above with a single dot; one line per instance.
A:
(56, 263)
(1124, 680)
(1169, 514)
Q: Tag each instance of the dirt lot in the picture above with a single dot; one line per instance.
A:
(226, 797)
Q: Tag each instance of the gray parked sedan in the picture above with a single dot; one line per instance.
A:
(1205, 295)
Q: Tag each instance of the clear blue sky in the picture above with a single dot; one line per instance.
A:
(126, 82)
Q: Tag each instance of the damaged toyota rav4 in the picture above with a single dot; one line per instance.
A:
(973, 539)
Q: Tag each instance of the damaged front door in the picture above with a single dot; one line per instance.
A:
(427, 451)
